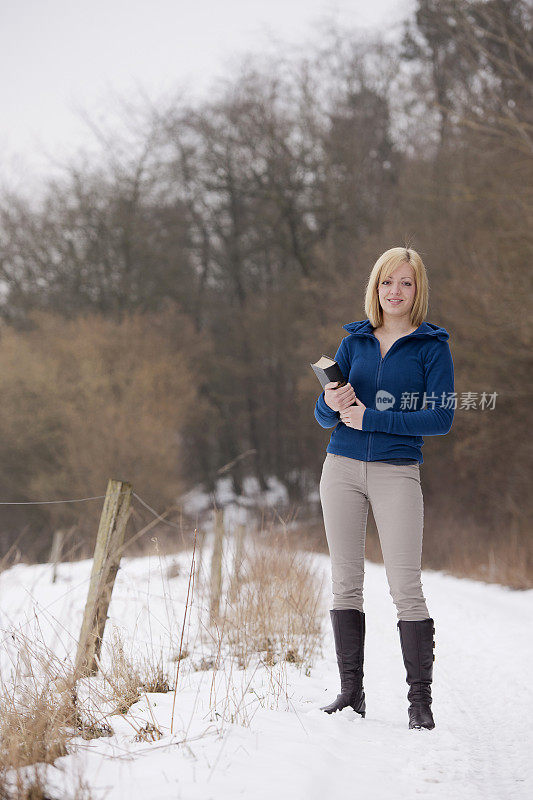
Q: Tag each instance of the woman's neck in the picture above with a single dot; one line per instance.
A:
(395, 327)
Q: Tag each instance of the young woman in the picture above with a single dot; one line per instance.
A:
(400, 388)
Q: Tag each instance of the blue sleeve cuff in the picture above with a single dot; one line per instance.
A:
(426, 422)
(325, 415)
(371, 419)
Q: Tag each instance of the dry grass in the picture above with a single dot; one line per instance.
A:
(34, 726)
(148, 733)
(268, 625)
(269, 622)
(36, 710)
(508, 561)
(42, 709)
(127, 678)
(123, 677)
(273, 606)
(30, 784)
(38, 717)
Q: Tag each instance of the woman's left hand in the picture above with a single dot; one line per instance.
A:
(353, 416)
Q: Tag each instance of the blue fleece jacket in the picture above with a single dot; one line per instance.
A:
(408, 394)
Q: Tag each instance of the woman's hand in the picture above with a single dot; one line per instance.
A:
(353, 416)
(338, 399)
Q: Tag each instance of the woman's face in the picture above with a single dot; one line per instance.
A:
(397, 292)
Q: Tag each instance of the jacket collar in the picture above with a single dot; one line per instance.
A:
(364, 328)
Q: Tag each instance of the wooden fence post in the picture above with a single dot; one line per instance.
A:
(199, 556)
(216, 563)
(106, 561)
(56, 551)
(60, 539)
(238, 557)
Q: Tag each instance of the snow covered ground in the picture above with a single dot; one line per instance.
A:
(481, 746)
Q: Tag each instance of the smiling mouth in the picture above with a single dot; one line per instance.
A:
(395, 301)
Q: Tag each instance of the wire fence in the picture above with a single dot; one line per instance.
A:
(85, 581)
(48, 502)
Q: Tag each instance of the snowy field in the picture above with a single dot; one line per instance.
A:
(481, 746)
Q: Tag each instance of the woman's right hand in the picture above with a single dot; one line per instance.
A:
(339, 399)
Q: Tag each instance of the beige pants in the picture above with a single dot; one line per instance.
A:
(347, 485)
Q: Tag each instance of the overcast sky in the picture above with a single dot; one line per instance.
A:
(58, 55)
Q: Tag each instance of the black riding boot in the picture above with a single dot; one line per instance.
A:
(416, 638)
(349, 631)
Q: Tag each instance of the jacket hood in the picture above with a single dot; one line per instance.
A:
(365, 328)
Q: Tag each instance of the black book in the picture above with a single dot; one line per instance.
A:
(327, 370)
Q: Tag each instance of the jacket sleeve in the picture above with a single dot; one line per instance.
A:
(325, 415)
(430, 421)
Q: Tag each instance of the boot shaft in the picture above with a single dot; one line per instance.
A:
(349, 632)
(417, 643)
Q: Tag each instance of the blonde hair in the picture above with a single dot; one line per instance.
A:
(384, 266)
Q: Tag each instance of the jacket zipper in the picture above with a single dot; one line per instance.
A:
(371, 434)
(380, 365)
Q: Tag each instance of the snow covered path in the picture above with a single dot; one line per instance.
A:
(481, 746)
